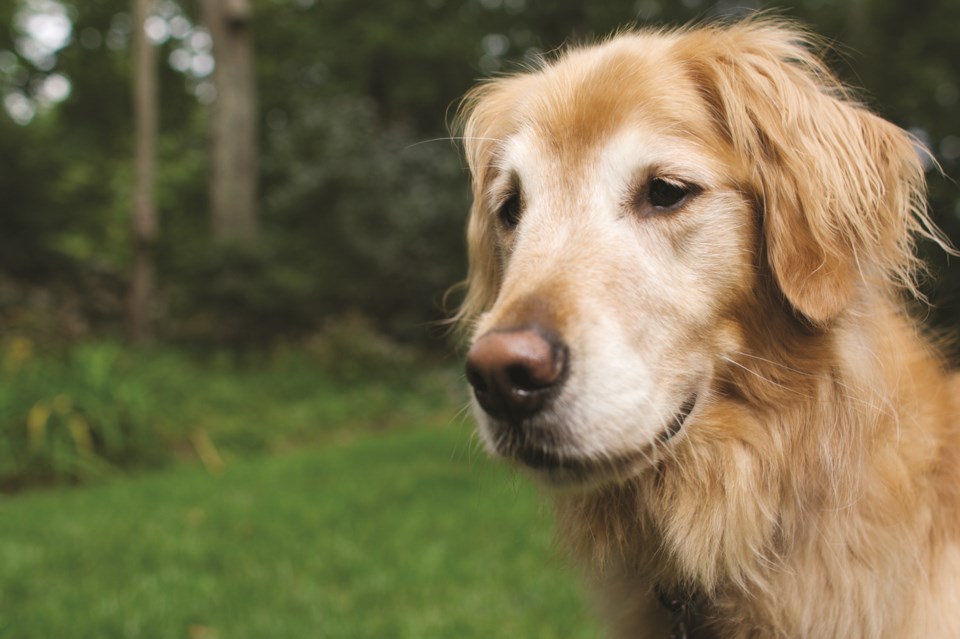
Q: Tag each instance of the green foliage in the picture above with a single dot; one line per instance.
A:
(72, 418)
(100, 408)
(407, 536)
(31, 219)
(241, 295)
(370, 216)
(360, 212)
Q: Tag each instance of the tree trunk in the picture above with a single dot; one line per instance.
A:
(144, 214)
(234, 174)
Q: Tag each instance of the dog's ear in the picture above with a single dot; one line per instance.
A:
(842, 190)
(484, 119)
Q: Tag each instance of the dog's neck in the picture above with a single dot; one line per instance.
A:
(795, 451)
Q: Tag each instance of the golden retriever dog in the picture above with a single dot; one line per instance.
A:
(688, 258)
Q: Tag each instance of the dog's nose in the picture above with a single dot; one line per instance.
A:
(513, 373)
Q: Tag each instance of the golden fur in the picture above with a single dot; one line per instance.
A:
(815, 489)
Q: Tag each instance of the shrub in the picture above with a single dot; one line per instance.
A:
(77, 416)
(99, 407)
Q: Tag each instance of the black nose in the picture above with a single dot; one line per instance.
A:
(513, 373)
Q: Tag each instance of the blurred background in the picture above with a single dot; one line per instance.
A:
(227, 407)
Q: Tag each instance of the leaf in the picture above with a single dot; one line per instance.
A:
(37, 425)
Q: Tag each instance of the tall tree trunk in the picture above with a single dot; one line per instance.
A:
(234, 174)
(144, 214)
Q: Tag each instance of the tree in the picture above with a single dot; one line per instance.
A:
(144, 227)
(360, 206)
(234, 173)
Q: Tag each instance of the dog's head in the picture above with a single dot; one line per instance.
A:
(631, 199)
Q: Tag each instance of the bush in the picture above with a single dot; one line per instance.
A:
(79, 416)
(372, 213)
(100, 407)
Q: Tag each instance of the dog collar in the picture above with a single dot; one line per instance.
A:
(678, 607)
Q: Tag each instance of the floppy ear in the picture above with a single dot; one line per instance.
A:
(484, 119)
(842, 190)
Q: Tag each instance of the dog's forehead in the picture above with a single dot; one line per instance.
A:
(630, 90)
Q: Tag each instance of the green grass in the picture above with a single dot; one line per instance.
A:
(408, 534)
(99, 408)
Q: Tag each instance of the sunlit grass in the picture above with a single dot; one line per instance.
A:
(411, 534)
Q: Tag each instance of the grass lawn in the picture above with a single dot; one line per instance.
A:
(410, 534)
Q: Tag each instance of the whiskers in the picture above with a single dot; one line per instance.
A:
(866, 397)
(450, 138)
(759, 375)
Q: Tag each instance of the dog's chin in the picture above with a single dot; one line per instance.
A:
(583, 473)
(567, 467)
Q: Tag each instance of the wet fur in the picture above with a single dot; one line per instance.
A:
(815, 491)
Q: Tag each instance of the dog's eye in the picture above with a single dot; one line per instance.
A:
(666, 196)
(509, 211)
